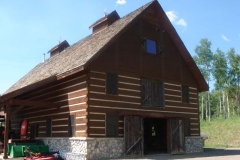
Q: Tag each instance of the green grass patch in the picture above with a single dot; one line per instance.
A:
(222, 133)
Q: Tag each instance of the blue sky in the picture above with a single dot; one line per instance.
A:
(28, 28)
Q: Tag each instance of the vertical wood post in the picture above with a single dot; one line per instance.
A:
(7, 114)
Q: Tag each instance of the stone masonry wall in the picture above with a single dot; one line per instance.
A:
(194, 144)
(87, 148)
(104, 148)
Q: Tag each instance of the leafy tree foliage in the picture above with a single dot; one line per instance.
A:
(224, 69)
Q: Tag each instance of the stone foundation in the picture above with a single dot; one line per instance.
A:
(103, 148)
(87, 148)
(194, 144)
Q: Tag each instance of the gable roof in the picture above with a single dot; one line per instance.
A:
(81, 53)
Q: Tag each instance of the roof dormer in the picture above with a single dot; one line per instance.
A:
(104, 22)
(58, 48)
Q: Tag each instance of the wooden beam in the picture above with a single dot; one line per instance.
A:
(30, 87)
(150, 115)
(32, 103)
(5, 156)
(15, 111)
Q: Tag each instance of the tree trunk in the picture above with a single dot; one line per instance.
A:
(233, 107)
(206, 114)
(224, 109)
(209, 108)
(220, 107)
(228, 107)
(202, 108)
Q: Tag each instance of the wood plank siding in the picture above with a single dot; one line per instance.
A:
(71, 95)
(129, 99)
(126, 58)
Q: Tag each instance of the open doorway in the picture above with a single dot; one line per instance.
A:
(155, 135)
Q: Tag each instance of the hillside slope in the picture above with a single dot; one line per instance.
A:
(222, 133)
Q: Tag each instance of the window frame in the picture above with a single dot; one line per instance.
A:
(159, 46)
(108, 84)
(107, 125)
(49, 125)
(185, 93)
(34, 130)
(71, 131)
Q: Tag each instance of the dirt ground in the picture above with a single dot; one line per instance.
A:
(208, 154)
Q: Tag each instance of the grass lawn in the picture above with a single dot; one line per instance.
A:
(222, 133)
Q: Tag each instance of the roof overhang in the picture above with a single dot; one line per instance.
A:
(36, 85)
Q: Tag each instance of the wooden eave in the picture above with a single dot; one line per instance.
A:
(25, 89)
(23, 103)
(36, 85)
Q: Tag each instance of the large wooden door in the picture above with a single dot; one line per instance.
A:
(133, 136)
(177, 136)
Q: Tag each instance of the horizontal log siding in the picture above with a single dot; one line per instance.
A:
(129, 99)
(70, 94)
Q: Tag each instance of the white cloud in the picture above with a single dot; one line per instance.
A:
(172, 16)
(121, 2)
(225, 38)
(181, 22)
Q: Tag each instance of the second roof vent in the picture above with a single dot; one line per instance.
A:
(104, 22)
(58, 48)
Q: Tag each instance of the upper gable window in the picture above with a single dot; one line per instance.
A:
(151, 46)
(185, 94)
(111, 83)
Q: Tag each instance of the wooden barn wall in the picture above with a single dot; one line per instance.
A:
(126, 58)
(129, 99)
(71, 95)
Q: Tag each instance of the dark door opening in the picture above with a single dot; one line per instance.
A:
(155, 135)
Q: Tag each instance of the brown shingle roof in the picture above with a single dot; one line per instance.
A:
(78, 54)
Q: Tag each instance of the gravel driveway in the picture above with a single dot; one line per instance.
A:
(208, 154)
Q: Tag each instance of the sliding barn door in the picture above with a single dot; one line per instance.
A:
(133, 136)
(177, 136)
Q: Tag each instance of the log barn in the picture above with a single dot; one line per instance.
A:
(128, 89)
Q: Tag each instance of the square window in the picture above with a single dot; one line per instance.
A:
(185, 94)
(151, 46)
(111, 83)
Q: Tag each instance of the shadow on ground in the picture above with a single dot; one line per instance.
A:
(209, 153)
